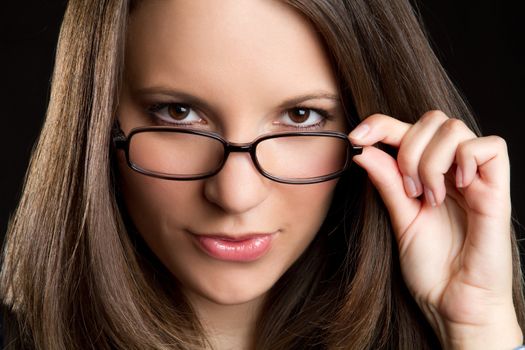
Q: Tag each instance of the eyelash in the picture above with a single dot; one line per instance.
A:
(156, 107)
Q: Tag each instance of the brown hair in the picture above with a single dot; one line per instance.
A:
(77, 275)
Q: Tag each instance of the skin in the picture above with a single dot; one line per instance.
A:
(242, 59)
(244, 72)
(454, 241)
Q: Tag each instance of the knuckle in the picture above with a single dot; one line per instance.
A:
(453, 125)
(406, 162)
(463, 149)
(433, 116)
(426, 178)
(378, 118)
(430, 170)
(498, 141)
(426, 168)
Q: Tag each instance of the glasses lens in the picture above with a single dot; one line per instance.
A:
(175, 153)
(302, 157)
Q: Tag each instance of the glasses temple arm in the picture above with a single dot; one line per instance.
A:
(118, 136)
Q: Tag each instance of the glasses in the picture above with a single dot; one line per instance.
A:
(186, 154)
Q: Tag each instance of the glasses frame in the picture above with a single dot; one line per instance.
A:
(121, 141)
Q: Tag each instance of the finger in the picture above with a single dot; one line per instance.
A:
(489, 156)
(379, 128)
(388, 130)
(484, 163)
(453, 192)
(412, 147)
(438, 157)
(384, 174)
(385, 129)
(486, 189)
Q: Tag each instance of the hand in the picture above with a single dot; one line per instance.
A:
(448, 197)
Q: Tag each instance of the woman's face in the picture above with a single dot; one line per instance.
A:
(244, 59)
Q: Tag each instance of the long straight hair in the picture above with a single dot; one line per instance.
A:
(77, 275)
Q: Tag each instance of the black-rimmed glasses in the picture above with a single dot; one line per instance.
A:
(187, 154)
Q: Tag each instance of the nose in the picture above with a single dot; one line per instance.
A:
(238, 187)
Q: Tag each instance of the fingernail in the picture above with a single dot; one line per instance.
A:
(359, 132)
(459, 177)
(430, 197)
(410, 185)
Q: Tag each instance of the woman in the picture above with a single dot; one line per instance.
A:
(138, 230)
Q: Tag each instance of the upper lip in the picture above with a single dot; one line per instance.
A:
(234, 237)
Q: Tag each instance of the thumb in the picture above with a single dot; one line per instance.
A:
(384, 174)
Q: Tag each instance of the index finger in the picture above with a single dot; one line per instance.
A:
(379, 128)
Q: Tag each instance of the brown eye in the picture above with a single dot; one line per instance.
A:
(178, 111)
(299, 115)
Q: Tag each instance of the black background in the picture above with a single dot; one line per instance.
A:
(480, 43)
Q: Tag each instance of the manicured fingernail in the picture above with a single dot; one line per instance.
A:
(360, 132)
(410, 185)
(459, 177)
(430, 197)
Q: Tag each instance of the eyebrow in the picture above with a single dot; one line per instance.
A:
(197, 101)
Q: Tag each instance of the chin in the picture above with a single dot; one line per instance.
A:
(230, 299)
(234, 296)
(227, 291)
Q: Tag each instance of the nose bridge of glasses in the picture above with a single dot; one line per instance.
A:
(239, 147)
(231, 147)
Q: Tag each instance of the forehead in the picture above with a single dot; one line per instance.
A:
(228, 47)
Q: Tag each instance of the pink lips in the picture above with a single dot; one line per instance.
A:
(246, 248)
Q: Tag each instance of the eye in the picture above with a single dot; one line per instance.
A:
(301, 117)
(175, 114)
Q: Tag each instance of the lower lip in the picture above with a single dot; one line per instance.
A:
(246, 250)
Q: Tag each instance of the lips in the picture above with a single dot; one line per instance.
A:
(241, 248)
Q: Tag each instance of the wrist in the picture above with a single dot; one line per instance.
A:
(500, 335)
(501, 332)
(497, 338)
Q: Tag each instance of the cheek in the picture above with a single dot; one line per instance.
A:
(303, 209)
(308, 203)
(155, 205)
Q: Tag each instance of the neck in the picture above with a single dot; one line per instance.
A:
(227, 326)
